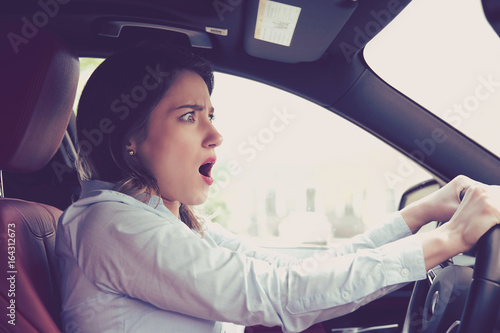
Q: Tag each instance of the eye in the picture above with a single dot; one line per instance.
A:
(188, 117)
(211, 117)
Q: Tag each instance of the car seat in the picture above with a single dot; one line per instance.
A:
(39, 80)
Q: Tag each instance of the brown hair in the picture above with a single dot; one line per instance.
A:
(116, 104)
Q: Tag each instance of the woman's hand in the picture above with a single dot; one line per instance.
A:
(438, 206)
(476, 214)
(444, 202)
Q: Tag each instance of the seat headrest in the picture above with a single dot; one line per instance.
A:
(39, 81)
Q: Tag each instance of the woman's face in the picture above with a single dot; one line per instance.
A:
(180, 142)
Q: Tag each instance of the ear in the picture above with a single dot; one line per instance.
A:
(131, 145)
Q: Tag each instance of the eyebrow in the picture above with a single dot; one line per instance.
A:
(195, 107)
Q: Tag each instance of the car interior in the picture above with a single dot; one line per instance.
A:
(323, 63)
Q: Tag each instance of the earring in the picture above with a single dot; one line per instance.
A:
(131, 152)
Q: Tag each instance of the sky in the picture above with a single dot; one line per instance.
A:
(445, 56)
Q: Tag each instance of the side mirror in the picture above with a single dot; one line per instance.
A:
(417, 192)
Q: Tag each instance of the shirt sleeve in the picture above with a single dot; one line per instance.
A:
(125, 250)
(393, 229)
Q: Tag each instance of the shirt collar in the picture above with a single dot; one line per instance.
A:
(95, 185)
(99, 185)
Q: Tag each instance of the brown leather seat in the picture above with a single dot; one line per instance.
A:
(39, 80)
(34, 282)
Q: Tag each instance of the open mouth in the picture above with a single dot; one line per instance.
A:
(206, 169)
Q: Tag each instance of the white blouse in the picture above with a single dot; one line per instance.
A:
(134, 267)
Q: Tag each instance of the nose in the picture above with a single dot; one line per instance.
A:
(213, 138)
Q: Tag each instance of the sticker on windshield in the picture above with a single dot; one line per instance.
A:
(276, 22)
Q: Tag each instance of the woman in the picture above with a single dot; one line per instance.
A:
(134, 257)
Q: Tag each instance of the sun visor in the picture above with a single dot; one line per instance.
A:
(294, 31)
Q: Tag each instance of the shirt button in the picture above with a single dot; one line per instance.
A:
(405, 272)
(345, 295)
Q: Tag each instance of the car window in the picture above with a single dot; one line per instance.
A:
(290, 172)
(87, 67)
(452, 68)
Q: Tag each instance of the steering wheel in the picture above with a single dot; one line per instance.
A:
(460, 299)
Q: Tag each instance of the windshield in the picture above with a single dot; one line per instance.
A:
(445, 56)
